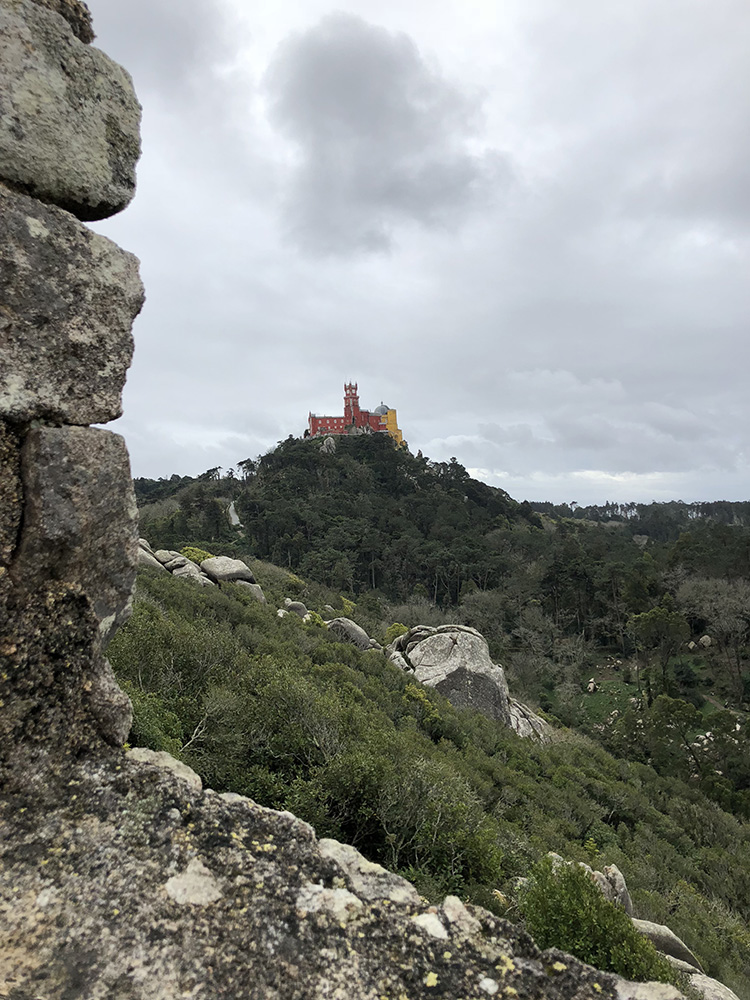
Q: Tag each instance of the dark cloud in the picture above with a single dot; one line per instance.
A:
(382, 138)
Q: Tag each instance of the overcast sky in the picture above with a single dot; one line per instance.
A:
(523, 224)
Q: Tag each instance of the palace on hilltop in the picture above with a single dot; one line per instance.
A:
(381, 420)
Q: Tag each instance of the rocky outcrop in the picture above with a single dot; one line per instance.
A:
(125, 879)
(213, 571)
(69, 300)
(455, 660)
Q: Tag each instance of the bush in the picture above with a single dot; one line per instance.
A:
(154, 725)
(315, 620)
(563, 908)
(394, 631)
(194, 554)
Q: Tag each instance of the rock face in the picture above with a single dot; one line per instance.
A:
(68, 141)
(455, 660)
(75, 13)
(149, 888)
(69, 119)
(80, 518)
(527, 723)
(11, 492)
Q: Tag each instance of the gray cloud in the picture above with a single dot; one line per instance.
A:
(382, 138)
(164, 47)
(576, 331)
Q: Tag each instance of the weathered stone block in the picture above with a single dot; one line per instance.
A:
(348, 631)
(80, 520)
(56, 690)
(69, 118)
(75, 13)
(11, 492)
(226, 570)
(68, 302)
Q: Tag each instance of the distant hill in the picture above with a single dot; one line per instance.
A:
(369, 515)
(558, 592)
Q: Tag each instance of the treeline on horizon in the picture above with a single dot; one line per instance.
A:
(373, 517)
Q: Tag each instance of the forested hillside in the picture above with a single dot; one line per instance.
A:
(628, 626)
(550, 592)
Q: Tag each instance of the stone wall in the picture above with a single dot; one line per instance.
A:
(69, 142)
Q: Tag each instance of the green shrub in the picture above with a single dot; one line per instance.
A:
(394, 631)
(194, 554)
(563, 908)
(154, 725)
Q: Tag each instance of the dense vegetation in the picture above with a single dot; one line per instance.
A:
(652, 772)
(274, 709)
(562, 908)
(612, 592)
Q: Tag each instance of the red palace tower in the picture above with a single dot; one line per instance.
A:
(382, 420)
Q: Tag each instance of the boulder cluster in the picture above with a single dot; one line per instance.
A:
(120, 876)
(453, 659)
(209, 572)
